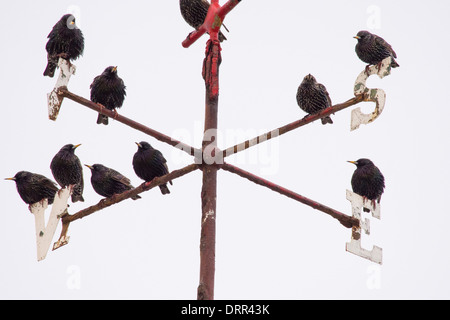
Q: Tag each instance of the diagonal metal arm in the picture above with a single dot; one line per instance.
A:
(345, 220)
(107, 202)
(293, 125)
(64, 92)
(146, 186)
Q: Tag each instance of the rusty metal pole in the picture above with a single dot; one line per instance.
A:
(205, 289)
(211, 156)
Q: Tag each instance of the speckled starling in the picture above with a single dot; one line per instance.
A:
(367, 180)
(66, 169)
(107, 182)
(372, 49)
(108, 90)
(65, 41)
(313, 97)
(194, 13)
(149, 163)
(33, 187)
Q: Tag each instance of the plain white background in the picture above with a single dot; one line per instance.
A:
(268, 246)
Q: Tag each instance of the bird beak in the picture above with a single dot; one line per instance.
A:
(354, 162)
(13, 179)
(356, 37)
(76, 146)
(90, 167)
(114, 69)
(72, 22)
(138, 144)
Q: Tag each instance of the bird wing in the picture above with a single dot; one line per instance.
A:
(327, 95)
(380, 42)
(163, 161)
(117, 176)
(94, 82)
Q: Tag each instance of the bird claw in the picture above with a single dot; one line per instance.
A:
(115, 114)
(63, 55)
(378, 66)
(59, 192)
(66, 57)
(101, 107)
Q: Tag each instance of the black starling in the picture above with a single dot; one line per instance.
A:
(367, 180)
(108, 90)
(372, 49)
(107, 182)
(66, 169)
(65, 41)
(33, 187)
(194, 13)
(149, 163)
(313, 97)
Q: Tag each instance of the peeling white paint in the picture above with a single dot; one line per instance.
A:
(376, 95)
(54, 101)
(211, 214)
(354, 246)
(45, 233)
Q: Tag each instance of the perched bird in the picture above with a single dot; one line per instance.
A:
(66, 169)
(107, 182)
(194, 13)
(367, 180)
(372, 49)
(313, 97)
(33, 187)
(65, 41)
(108, 90)
(149, 163)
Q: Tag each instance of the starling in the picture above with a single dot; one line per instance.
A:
(372, 49)
(107, 182)
(33, 187)
(367, 180)
(149, 163)
(108, 90)
(66, 169)
(194, 13)
(313, 97)
(65, 41)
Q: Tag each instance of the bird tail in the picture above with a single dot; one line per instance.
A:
(394, 64)
(326, 120)
(50, 69)
(164, 189)
(102, 119)
(77, 197)
(222, 36)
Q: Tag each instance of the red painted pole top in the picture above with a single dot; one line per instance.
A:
(213, 21)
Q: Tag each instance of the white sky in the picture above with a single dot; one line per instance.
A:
(268, 246)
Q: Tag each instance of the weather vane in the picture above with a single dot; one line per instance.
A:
(210, 158)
